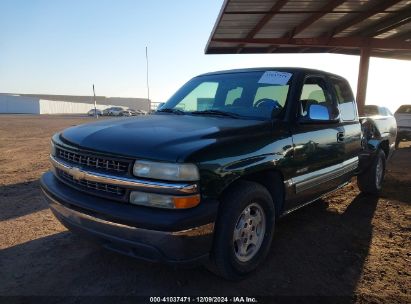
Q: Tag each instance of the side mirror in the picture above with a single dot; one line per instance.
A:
(318, 112)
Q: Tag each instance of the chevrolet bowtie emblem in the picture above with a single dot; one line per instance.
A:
(77, 173)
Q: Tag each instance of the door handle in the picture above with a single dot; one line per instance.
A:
(340, 136)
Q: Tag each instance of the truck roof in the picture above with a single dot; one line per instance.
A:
(261, 69)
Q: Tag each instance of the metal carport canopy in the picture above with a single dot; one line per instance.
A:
(377, 28)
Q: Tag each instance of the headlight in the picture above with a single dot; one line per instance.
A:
(166, 171)
(52, 148)
(164, 201)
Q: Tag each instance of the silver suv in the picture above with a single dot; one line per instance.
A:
(403, 117)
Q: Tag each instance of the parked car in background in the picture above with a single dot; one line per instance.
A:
(128, 112)
(379, 120)
(403, 117)
(206, 177)
(373, 110)
(108, 111)
(114, 111)
(141, 112)
(138, 112)
(132, 112)
(94, 112)
(105, 112)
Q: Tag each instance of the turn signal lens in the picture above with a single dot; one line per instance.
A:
(163, 201)
(186, 201)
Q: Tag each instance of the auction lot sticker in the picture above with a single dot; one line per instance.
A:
(275, 77)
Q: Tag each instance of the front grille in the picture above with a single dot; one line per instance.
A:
(99, 187)
(94, 162)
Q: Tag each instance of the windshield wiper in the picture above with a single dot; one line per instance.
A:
(216, 112)
(174, 111)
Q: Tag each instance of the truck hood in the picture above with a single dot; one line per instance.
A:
(165, 137)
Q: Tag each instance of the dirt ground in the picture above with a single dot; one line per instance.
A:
(344, 245)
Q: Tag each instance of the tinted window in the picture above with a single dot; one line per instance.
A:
(270, 91)
(405, 109)
(258, 95)
(200, 98)
(345, 99)
(233, 95)
(315, 91)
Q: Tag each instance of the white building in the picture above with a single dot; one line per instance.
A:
(64, 104)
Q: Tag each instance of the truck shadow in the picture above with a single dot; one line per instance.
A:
(328, 256)
(20, 199)
(316, 251)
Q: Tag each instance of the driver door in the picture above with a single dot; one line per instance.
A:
(317, 149)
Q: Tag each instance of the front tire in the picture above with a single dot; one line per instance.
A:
(370, 181)
(244, 230)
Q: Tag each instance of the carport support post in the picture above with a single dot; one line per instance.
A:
(362, 79)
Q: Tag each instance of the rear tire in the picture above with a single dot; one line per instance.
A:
(370, 181)
(244, 230)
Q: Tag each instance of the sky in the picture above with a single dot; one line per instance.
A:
(66, 46)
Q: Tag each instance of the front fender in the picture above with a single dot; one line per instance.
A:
(250, 166)
(216, 178)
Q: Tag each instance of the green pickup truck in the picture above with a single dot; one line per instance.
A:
(205, 178)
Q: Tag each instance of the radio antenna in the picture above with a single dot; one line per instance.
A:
(148, 87)
(95, 103)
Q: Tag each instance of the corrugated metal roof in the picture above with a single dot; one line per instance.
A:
(335, 26)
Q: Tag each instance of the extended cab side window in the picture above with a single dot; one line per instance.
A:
(316, 91)
(345, 99)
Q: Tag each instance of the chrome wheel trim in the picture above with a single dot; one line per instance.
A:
(249, 232)
(378, 173)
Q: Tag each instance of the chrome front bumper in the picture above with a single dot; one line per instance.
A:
(177, 247)
(172, 236)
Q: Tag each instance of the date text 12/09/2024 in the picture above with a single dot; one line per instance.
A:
(238, 299)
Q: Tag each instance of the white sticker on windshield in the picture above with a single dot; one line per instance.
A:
(275, 77)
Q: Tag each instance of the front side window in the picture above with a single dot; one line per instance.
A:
(316, 91)
(253, 95)
(345, 99)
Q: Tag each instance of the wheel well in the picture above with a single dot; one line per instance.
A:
(273, 181)
(385, 147)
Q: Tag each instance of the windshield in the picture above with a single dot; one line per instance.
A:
(254, 95)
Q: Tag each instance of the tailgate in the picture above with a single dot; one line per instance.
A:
(403, 120)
